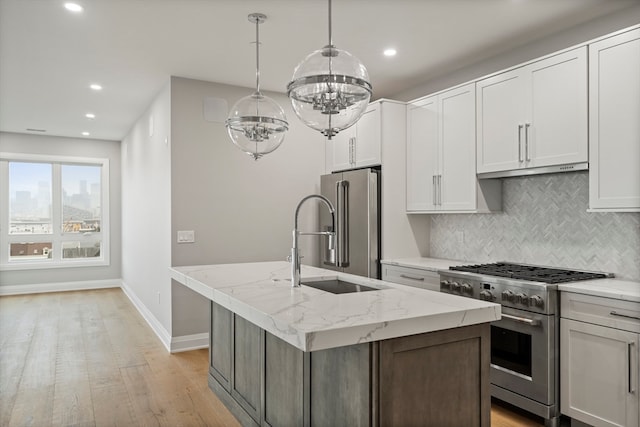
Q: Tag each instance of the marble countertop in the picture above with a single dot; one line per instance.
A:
(311, 319)
(608, 288)
(429, 264)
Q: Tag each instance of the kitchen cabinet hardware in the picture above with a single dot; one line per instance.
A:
(631, 389)
(520, 144)
(421, 279)
(615, 313)
(526, 142)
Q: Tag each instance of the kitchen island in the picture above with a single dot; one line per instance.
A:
(396, 355)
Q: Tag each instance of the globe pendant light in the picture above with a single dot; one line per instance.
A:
(330, 89)
(256, 123)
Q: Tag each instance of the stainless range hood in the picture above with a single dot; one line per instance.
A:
(571, 167)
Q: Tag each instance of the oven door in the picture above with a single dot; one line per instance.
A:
(523, 354)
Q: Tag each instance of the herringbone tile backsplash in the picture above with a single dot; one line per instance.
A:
(544, 221)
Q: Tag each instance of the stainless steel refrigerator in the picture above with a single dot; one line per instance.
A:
(356, 196)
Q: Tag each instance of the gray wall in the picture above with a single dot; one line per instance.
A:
(146, 209)
(241, 210)
(545, 221)
(564, 39)
(60, 146)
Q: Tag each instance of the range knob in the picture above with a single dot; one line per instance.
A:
(467, 289)
(445, 284)
(522, 298)
(508, 295)
(536, 300)
(455, 287)
(486, 295)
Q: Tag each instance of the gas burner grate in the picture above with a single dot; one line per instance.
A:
(529, 272)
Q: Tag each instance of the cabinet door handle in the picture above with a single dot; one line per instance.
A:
(351, 150)
(526, 141)
(615, 313)
(433, 193)
(440, 190)
(412, 278)
(354, 150)
(520, 143)
(631, 389)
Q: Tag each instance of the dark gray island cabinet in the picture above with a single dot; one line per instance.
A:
(435, 379)
(391, 356)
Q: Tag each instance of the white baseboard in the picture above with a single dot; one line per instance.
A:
(155, 325)
(189, 342)
(38, 288)
(172, 344)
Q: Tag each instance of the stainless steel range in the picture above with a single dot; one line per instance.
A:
(524, 343)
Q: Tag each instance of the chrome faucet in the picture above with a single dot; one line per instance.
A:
(295, 257)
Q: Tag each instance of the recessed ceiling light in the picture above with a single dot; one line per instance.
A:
(86, 133)
(90, 116)
(390, 52)
(73, 7)
(95, 86)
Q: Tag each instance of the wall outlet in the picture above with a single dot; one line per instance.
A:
(188, 236)
(459, 236)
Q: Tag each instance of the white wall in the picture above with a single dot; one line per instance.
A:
(241, 210)
(146, 212)
(562, 40)
(62, 146)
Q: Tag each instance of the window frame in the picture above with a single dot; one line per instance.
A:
(57, 237)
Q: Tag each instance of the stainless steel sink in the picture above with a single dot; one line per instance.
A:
(338, 286)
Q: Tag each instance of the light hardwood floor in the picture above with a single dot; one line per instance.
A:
(88, 358)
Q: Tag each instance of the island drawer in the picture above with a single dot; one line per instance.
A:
(603, 311)
(415, 277)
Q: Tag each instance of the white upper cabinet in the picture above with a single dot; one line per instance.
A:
(422, 154)
(614, 123)
(441, 172)
(358, 146)
(534, 116)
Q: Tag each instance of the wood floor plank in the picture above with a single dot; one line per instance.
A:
(33, 407)
(112, 406)
(72, 404)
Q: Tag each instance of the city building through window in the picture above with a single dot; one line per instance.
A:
(54, 211)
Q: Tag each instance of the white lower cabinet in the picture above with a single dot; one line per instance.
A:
(415, 277)
(599, 361)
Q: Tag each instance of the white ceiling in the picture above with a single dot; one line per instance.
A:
(49, 56)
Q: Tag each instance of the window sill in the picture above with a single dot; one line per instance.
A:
(26, 265)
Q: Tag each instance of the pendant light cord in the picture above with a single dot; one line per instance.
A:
(330, 36)
(257, 55)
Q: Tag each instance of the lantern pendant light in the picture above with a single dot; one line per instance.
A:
(256, 123)
(330, 89)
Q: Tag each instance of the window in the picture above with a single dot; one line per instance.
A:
(54, 211)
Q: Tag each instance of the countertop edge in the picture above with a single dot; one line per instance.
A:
(450, 316)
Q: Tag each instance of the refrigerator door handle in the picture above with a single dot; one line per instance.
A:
(342, 223)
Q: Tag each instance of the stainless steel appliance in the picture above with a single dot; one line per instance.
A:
(524, 343)
(355, 194)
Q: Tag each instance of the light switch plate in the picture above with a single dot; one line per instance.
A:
(188, 236)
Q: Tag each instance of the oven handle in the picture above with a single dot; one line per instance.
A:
(530, 322)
